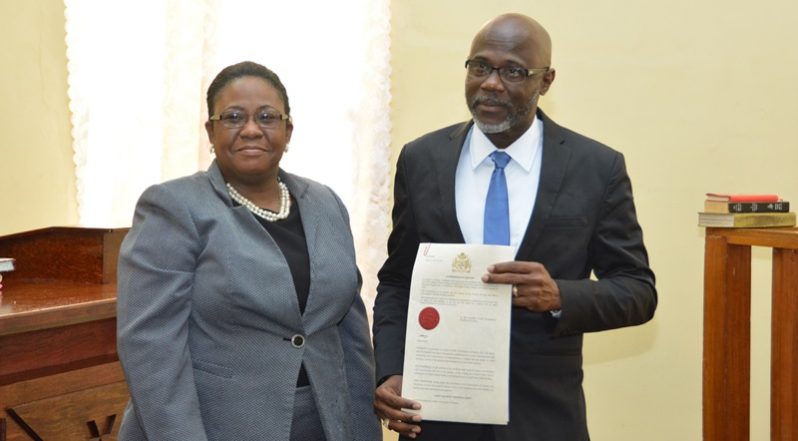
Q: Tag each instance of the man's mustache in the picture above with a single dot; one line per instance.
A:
(490, 101)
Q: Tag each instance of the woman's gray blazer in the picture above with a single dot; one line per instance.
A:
(207, 311)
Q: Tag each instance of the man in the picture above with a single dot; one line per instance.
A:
(568, 202)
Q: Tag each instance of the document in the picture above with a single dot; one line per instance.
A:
(457, 347)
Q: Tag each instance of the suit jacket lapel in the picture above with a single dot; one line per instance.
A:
(240, 212)
(310, 216)
(311, 219)
(556, 155)
(256, 232)
(445, 159)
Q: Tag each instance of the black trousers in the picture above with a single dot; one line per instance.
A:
(441, 431)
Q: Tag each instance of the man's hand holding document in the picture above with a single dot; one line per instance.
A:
(457, 346)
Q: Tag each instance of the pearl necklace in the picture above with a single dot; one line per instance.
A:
(271, 216)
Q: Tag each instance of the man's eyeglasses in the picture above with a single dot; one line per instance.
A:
(236, 119)
(510, 74)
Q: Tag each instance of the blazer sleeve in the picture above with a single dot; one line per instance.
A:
(624, 294)
(359, 361)
(393, 290)
(156, 268)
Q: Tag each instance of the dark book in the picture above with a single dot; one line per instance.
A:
(746, 207)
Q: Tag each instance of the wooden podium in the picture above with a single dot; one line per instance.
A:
(60, 377)
(727, 333)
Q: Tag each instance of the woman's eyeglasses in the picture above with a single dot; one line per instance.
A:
(236, 119)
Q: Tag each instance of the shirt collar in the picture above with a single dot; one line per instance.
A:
(522, 151)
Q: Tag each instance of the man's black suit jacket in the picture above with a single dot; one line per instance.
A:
(583, 221)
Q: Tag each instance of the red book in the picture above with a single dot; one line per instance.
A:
(743, 197)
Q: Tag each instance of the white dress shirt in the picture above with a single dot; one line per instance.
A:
(473, 178)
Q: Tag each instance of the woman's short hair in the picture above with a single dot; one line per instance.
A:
(245, 69)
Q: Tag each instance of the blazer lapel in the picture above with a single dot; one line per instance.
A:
(311, 219)
(445, 159)
(310, 216)
(241, 212)
(556, 155)
(254, 231)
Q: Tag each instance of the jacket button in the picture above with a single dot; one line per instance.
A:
(297, 341)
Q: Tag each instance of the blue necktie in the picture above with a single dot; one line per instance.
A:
(496, 230)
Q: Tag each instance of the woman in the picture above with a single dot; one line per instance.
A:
(239, 315)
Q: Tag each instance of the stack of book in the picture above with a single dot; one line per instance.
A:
(6, 265)
(745, 211)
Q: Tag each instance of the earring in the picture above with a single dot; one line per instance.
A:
(286, 148)
(210, 149)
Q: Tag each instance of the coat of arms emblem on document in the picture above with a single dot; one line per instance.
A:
(461, 263)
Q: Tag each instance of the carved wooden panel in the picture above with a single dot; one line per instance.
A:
(92, 415)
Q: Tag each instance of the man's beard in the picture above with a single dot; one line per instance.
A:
(514, 116)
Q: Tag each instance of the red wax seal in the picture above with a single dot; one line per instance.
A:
(429, 318)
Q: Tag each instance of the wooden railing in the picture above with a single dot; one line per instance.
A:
(727, 333)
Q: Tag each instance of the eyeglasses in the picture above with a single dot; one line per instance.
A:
(236, 119)
(510, 74)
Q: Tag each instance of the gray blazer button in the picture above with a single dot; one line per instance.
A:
(297, 341)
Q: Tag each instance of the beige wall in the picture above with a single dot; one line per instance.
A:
(37, 176)
(698, 97)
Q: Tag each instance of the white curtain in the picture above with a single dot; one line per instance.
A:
(138, 72)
